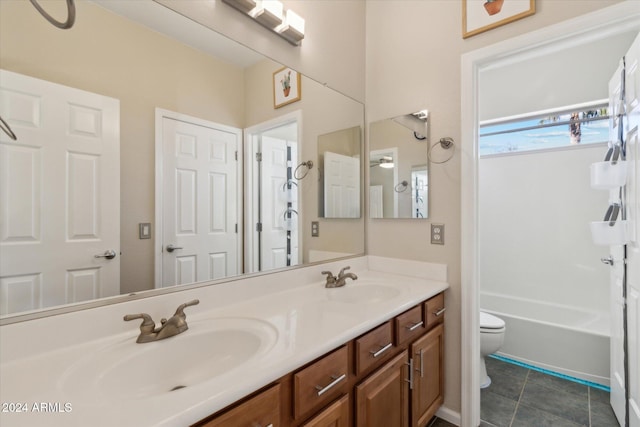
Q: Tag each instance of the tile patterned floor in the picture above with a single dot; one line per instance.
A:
(520, 397)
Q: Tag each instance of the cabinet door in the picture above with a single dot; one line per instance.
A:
(335, 415)
(382, 400)
(261, 410)
(427, 394)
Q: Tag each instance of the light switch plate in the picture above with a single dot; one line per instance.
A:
(144, 230)
(437, 234)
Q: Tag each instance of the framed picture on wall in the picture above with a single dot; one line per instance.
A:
(482, 15)
(286, 87)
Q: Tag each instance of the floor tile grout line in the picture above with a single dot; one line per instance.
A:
(524, 384)
(589, 404)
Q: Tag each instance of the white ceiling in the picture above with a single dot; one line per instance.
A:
(165, 21)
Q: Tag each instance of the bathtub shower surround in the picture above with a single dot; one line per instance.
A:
(553, 337)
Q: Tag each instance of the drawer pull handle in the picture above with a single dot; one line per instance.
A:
(416, 326)
(382, 350)
(410, 379)
(336, 380)
(440, 312)
(421, 370)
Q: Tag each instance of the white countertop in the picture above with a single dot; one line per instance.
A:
(306, 319)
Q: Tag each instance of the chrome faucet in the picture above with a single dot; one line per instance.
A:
(338, 282)
(174, 326)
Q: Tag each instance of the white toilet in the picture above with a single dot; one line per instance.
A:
(491, 338)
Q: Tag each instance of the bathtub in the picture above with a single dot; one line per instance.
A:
(562, 339)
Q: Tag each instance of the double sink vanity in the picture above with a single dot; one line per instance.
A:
(280, 350)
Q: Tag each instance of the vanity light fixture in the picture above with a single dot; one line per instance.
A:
(386, 163)
(270, 14)
(418, 122)
(293, 28)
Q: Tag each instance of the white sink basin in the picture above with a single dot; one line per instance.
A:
(208, 349)
(362, 293)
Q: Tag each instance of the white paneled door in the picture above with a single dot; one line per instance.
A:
(59, 195)
(625, 389)
(617, 369)
(632, 96)
(341, 186)
(199, 191)
(274, 204)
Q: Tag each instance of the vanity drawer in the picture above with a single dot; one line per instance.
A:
(409, 325)
(262, 409)
(434, 310)
(374, 347)
(319, 383)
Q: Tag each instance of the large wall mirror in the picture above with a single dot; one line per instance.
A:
(151, 153)
(399, 167)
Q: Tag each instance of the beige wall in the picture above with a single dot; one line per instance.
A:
(413, 62)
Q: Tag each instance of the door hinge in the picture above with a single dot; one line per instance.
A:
(236, 228)
(258, 157)
(259, 227)
(236, 155)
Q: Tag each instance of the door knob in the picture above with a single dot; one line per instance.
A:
(171, 248)
(109, 254)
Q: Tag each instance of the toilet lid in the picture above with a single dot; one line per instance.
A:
(489, 321)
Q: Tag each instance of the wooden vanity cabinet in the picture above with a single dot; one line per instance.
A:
(365, 382)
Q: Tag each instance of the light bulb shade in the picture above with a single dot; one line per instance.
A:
(293, 27)
(268, 13)
(386, 165)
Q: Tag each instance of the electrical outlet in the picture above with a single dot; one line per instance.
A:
(315, 228)
(437, 234)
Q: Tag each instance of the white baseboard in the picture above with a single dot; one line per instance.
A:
(449, 415)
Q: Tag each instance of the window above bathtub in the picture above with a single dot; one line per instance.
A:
(573, 125)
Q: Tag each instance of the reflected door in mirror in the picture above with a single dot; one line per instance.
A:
(200, 190)
(341, 186)
(59, 195)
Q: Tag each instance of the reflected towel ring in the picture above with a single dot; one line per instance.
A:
(288, 183)
(445, 143)
(308, 165)
(71, 14)
(288, 211)
(7, 129)
(401, 187)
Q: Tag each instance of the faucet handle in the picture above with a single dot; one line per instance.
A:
(343, 270)
(330, 277)
(181, 307)
(147, 325)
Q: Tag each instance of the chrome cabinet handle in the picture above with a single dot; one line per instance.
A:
(336, 380)
(416, 326)
(410, 380)
(608, 260)
(382, 350)
(109, 254)
(439, 313)
(421, 370)
(171, 248)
